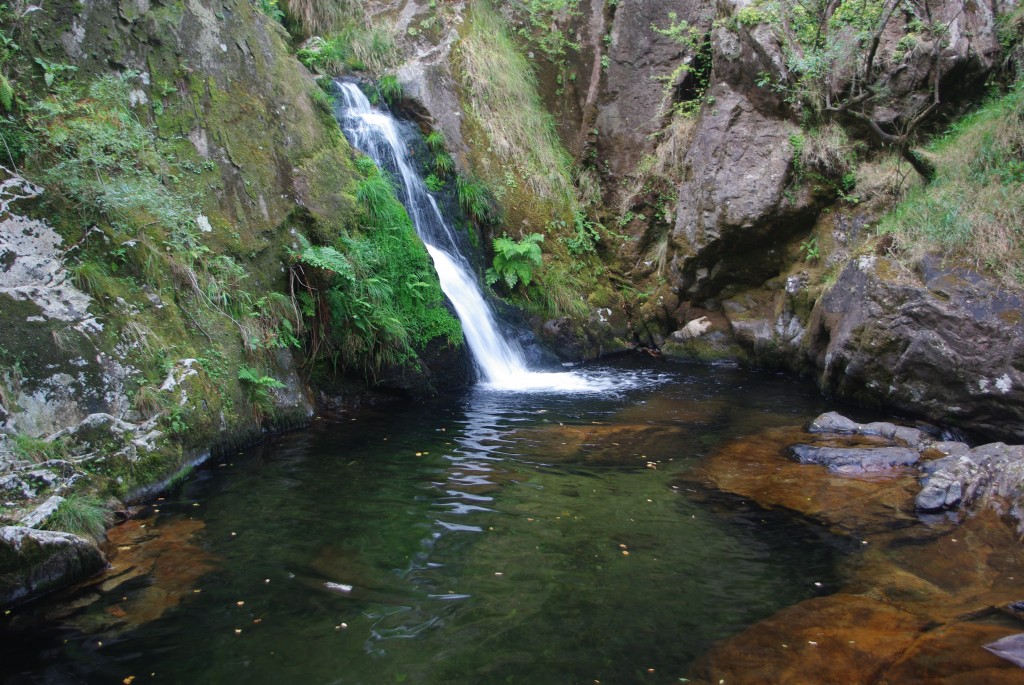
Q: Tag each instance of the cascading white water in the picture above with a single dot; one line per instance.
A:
(499, 361)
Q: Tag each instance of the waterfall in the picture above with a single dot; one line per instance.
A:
(499, 361)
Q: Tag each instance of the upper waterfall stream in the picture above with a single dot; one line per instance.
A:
(500, 362)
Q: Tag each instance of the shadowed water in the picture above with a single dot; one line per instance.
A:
(483, 538)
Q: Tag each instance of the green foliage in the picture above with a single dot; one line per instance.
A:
(542, 30)
(435, 142)
(6, 93)
(974, 208)
(91, 150)
(444, 165)
(93, 278)
(501, 86)
(585, 238)
(688, 83)
(258, 386)
(54, 70)
(379, 300)
(433, 183)
(82, 515)
(352, 46)
(255, 379)
(475, 200)
(269, 8)
(515, 261)
(318, 17)
(810, 250)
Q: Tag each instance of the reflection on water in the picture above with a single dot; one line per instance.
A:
(487, 538)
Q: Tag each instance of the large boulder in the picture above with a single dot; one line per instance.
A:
(33, 562)
(944, 343)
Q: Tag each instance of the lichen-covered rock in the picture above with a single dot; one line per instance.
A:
(988, 475)
(945, 343)
(33, 562)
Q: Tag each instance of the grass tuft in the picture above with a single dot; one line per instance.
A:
(82, 515)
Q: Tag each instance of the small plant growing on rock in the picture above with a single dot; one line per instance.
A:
(514, 261)
(810, 250)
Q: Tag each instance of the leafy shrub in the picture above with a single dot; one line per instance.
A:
(269, 8)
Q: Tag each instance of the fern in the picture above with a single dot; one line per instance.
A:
(254, 378)
(6, 93)
(514, 262)
(323, 257)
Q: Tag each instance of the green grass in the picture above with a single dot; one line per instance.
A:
(37, 449)
(80, 514)
(502, 89)
(974, 208)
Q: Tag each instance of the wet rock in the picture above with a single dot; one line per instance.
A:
(734, 205)
(833, 422)
(990, 474)
(758, 468)
(694, 328)
(837, 639)
(33, 562)
(630, 104)
(856, 460)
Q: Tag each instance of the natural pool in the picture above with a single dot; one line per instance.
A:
(482, 538)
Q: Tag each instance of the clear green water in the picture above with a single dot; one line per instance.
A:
(496, 556)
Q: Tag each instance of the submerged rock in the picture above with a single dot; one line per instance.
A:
(33, 562)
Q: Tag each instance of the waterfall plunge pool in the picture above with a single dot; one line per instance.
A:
(486, 537)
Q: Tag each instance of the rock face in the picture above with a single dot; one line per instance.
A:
(33, 562)
(632, 103)
(943, 343)
(736, 205)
